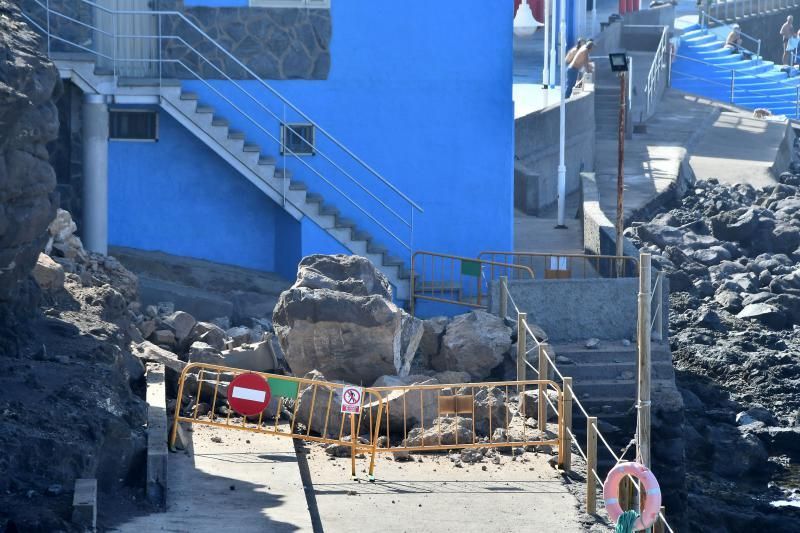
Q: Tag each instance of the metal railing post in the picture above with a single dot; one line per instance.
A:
(504, 298)
(567, 448)
(542, 401)
(522, 343)
(797, 102)
(659, 527)
(116, 37)
(733, 83)
(160, 44)
(659, 303)
(591, 464)
(48, 26)
(643, 396)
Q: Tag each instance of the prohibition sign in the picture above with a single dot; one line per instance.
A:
(351, 399)
(248, 394)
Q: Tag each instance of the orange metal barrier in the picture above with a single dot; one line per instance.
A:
(554, 265)
(458, 280)
(299, 408)
(414, 418)
(420, 418)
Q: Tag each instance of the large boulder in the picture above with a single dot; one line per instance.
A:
(338, 318)
(475, 343)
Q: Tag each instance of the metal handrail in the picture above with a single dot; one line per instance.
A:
(733, 89)
(161, 37)
(704, 16)
(659, 65)
(576, 400)
(731, 69)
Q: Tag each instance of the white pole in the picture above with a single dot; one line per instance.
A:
(553, 26)
(546, 69)
(562, 168)
(95, 179)
(594, 17)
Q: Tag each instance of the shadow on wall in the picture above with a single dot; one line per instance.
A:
(536, 151)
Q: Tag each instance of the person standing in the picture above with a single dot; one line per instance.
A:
(574, 50)
(787, 32)
(580, 63)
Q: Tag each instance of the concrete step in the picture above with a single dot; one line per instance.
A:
(608, 388)
(591, 371)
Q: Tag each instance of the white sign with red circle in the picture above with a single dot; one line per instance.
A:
(249, 394)
(351, 399)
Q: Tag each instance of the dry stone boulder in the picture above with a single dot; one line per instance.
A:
(210, 334)
(181, 324)
(147, 351)
(48, 274)
(475, 343)
(447, 430)
(257, 357)
(354, 336)
(320, 410)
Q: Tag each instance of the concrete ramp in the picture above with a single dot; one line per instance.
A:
(738, 148)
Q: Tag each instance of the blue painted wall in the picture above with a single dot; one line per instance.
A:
(173, 196)
(420, 90)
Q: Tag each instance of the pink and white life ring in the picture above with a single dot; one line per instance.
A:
(648, 484)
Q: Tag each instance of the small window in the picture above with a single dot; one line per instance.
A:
(298, 139)
(133, 125)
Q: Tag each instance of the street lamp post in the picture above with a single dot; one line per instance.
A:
(619, 64)
(562, 167)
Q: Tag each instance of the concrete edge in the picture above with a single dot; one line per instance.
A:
(784, 156)
(157, 430)
(599, 233)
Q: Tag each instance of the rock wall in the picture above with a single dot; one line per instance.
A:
(279, 43)
(28, 121)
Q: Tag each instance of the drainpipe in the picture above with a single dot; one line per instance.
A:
(546, 68)
(95, 173)
(553, 26)
(562, 168)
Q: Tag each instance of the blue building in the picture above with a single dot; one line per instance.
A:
(254, 132)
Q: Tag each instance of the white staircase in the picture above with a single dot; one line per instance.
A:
(244, 156)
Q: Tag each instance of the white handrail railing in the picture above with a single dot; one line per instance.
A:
(50, 30)
(661, 63)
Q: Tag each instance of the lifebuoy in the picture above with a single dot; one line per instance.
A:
(648, 483)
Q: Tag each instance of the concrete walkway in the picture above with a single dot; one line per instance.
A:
(539, 233)
(652, 159)
(431, 494)
(723, 143)
(232, 481)
(738, 148)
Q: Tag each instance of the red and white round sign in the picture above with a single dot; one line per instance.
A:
(248, 394)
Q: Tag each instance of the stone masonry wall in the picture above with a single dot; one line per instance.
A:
(28, 120)
(275, 43)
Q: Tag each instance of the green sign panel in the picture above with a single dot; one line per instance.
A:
(283, 387)
(471, 268)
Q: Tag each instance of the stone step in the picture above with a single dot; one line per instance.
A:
(612, 388)
(585, 372)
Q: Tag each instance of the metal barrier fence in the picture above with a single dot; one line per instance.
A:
(550, 265)
(736, 9)
(630, 493)
(499, 414)
(457, 280)
(298, 408)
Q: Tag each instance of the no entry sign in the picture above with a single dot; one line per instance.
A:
(248, 394)
(351, 399)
